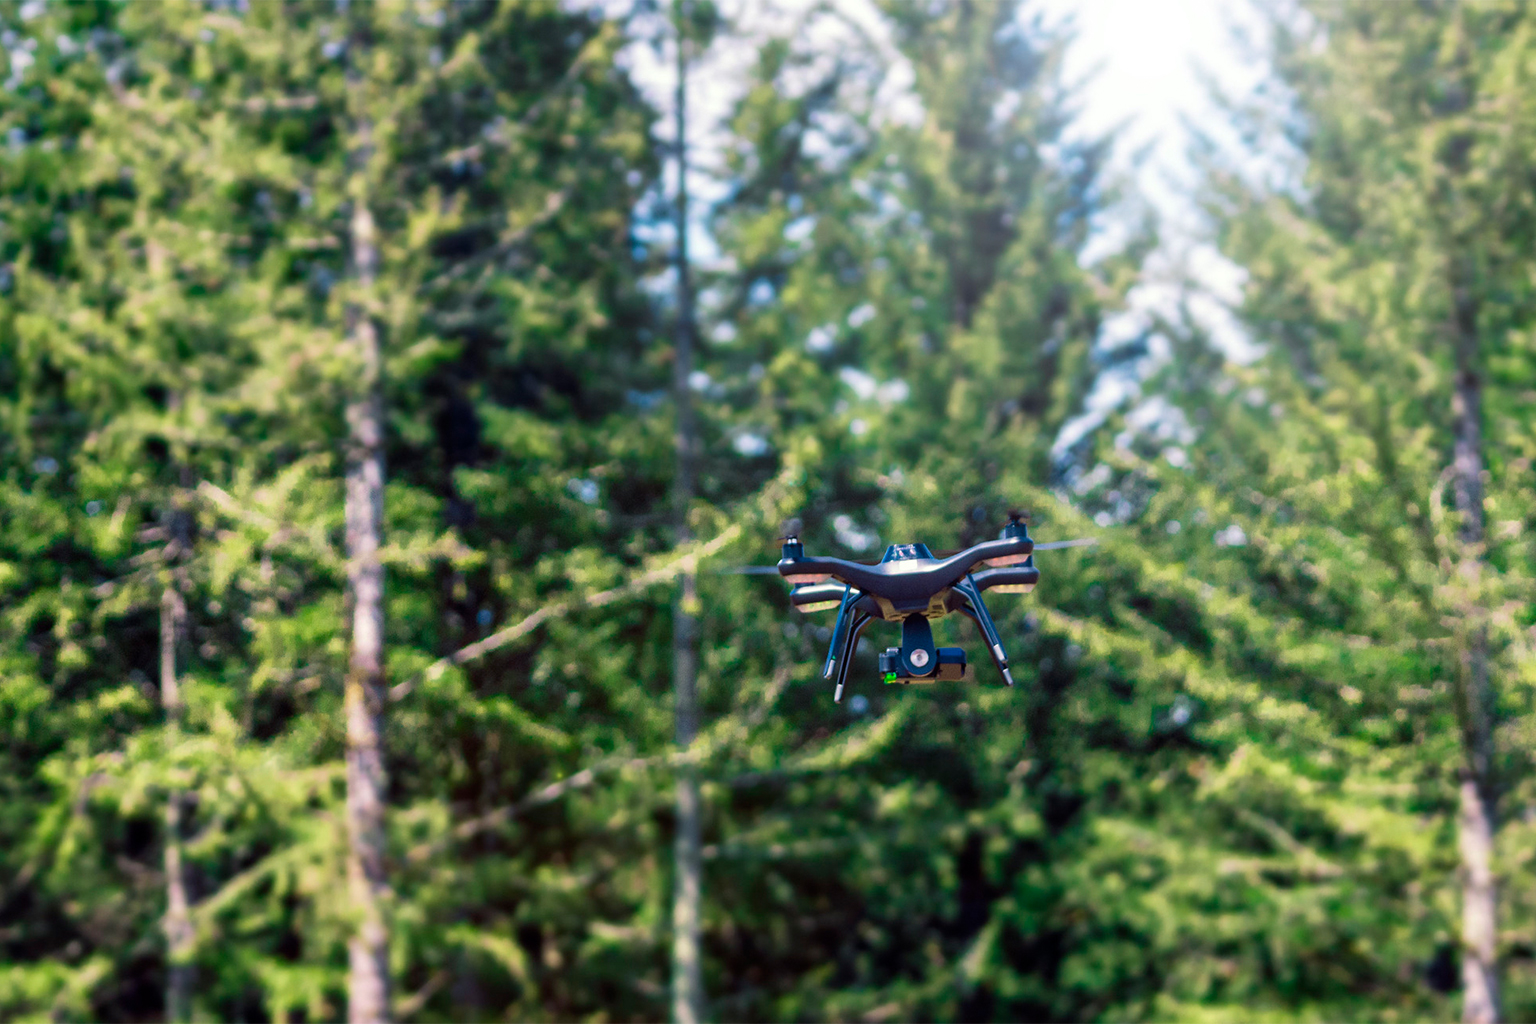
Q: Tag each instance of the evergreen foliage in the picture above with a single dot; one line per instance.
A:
(1233, 781)
(1319, 521)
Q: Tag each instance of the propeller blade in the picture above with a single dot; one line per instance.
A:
(772, 570)
(1050, 545)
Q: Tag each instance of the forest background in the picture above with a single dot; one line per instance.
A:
(376, 456)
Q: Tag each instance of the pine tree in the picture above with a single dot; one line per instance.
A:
(1348, 479)
(340, 390)
(687, 977)
(104, 281)
(857, 863)
(230, 134)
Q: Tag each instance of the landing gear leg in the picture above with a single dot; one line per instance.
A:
(845, 657)
(978, 611)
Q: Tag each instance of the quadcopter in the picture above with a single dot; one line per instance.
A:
(912, 586)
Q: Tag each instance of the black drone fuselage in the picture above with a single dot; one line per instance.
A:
(911, 586)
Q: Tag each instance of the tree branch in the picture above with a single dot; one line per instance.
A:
(553, 204)
(476, 150)
(277, 532)
(726, 730)
(264, 104)
(529, 623)
(413, 1003)
(227, 503)
(538, 798)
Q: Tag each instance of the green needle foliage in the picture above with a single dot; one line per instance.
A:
(182, 303)
(1232, 782)
(1317, 523)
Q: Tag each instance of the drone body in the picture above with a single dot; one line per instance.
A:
(911, 586)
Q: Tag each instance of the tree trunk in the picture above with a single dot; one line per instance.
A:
(178, 917)
(368, 948)
(687, 975)
(1477, 822)
(1479, 896)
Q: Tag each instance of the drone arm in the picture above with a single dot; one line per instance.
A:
(1008, 550)
(818, 596)
(860, 620)
(814, 570)
(978, 610)
(1016, 578)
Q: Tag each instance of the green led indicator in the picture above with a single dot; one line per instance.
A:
(890, 677)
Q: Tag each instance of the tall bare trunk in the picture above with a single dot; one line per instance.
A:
(178, 917)
(687, 896)
(687, 974)
(1477, 822)
(368, 949)
(1479, 895)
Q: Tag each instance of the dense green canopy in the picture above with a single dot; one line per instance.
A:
(1267, 754)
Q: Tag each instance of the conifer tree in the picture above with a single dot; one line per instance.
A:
(179, 933)
(254, 255)
(113, 294)
(241, 118)
(1343, 488)
(368, 984)
(833, 299)
(687, 979)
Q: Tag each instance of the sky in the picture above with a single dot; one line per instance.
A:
(1143, 66)
(1141, 61)
(1146, 68)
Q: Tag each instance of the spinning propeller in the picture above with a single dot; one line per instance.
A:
(773, 570)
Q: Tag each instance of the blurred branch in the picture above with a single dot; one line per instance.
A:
(730, 728)
(538, 798)
(227, 503)
(529, 623)
(501, 137)
(413, 1003)
(265, 104)
(325, 242)
(1313, 864)
(774, 850)
(277, 532)
(552, 206)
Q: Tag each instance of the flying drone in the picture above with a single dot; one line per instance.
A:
(912, 586)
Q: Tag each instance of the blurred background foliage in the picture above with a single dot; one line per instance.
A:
(1233, 781)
